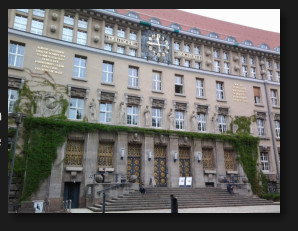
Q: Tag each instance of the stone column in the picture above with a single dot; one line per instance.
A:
(173, 167)
(121, 164)
(198, 174)
(147, 167)
(220, 161)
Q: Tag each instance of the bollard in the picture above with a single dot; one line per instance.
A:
(103, 202)
(174, 204)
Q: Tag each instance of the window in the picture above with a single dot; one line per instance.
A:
(200, 87)
(219, 90)
(82, 23)
(69, 20)
(270, 76)
(133, 77)
(121, 33)
(79, 69)
(109, 30)
(186, 48)
(226, 68)
(243, 59)
(36, 26)
(156, 117)
(120, 49)
(268, 64)
(216, 66)
(274, 97)
(277, 128)
(277, 76)
(197, 65)
(82, 37)
(177, 61)
(67, 34)
(196, 50)
(179, 118)
(244, 71)
(76, 108)
(13, 96)
(133, 36)
(261, 127)
(107, 72)
(257, 95)
(132, 52)
(74, 152)
(132, 115)
(276, 65)
(107, 47)
(225, 55)
(222, 124)
(201, 122)
(264, 161)
(187, 63)
(105, 112)
(216, 54)
(178, 84)
(253, 72)
(20, 22)
(16, 54)
(252, 60)
(176, 46)
(156, 81)
(23, 10)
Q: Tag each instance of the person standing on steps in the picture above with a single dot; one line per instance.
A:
(174, 204)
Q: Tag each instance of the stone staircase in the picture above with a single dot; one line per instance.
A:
(159, 198)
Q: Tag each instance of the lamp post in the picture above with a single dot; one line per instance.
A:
(18, 119)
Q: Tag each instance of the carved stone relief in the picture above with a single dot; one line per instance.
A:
(47, 103)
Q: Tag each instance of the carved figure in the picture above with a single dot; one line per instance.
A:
(171, 119)
(122, 113)
(194, 123)
(92, 107)
(146, 114)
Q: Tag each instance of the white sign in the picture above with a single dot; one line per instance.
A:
(38, 205)
(188, 181)
(181, 181)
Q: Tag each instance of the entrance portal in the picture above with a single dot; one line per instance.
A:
(72, 192)
(160, 166)
(184, 162)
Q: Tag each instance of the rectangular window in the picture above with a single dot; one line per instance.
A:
(253, 72)
(216, 66)
(79, 68)
(274, 97)
(76, 108)
(252, 60)
(201, 122)
(108, 47)
(268, 64)
(69, 20)
(179, 119)
(13, 96)
(109, 30)
(177, 61)
(264, 161)
(243, 59)
(82, 23)
(225, 55)
(20, 22)
(261, 127)
(197, 65)
(120, 49)
(176, 46)
(82, 37)
(156, 117)
(67, 34)
(186, 48)
(200, 87)
(105, 112)
(36, 26)
(216, 54)
(226, 68)
(179, 84)
(196, 50)
(120, 33)
(133, 36)
(132, 115)
(277, 76)
(156, 81)
(244, 71)
(270, 76)
(277, 128)
(257, 95)
(187, 63)
(132, 52)
(133, 78)
(219, 90)
(38, 12)
(16, 54)
(222, 123)
(107, 72)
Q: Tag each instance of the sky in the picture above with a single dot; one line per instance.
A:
(265, 19)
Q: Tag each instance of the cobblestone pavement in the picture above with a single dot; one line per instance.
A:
(237, 209)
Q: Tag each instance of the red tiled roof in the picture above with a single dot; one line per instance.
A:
(206, 25)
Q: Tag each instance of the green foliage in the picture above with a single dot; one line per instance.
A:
(271, 196)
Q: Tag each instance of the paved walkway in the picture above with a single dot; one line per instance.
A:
(237, 209)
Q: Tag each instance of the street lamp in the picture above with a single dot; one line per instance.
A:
(18, 119)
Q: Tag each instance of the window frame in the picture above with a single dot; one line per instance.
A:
(82, 70)
(156, 81)
(133, 76)
(12, 102)
(222, 123)
(202, 122)
(261, 127)
(157, 116)
(133, 112)
(179, 120)
(179, 84)
(220, 91)
(76, 108)
(200, 92)
(107, 113)
(264, 159)
(107, 74)
(19, 53)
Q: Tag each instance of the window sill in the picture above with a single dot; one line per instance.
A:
(198, 97)
(276, 107)
(181, 95)
(79, 79)
(264, 137)
(133, 88)
(259, 105)
(108, 84)
(221, 100)
(158, 92)
(16, 68)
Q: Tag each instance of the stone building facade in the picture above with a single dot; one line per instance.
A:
(122, 67)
